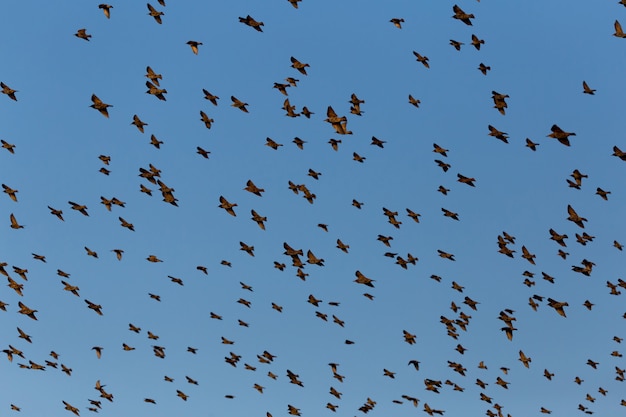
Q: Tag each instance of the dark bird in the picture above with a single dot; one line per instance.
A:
(14, 223)
(503, 136)
(205, 119)
(456, 44)
(422, 59)
(211, 97)
(588, 90)
(299, 65)
(11, 93)
(250, 187)
(477, 42)
(574, 217)
(155, 91)
(532, 145)
(82, 33)
(202, 152)
(397, 22)
(618, 30)
(450, 214)
(272, 144)
(602, 193)
(95, 307)
(334, 143)
(466, 180)
(106, 8)
(362, 279)
(227, 206)
(459, 14)
(153, 76)
(26, 310)
(194, 46)
(10, 192)
(100, 106)
(248, 20)
(155, 14)
(560, 135)
(258, 219)
(239, 104)
(414, 101)
(8, 146)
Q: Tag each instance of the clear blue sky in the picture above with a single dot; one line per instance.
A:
(539, 55)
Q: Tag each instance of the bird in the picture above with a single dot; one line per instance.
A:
(202, 152)
(477, 42)
(602, 193)
(95, 307)
(456, 44)
(155, 14)
(588, 90)
(211, 97)
(560, 135)
(415, 102)
(252, 188)
(26, 310)
(106, 8)
(206, 119)
(459, 14)
(448, 213)
(10, 192)
(82, 33)
(155, 91)
(8, 146)
(258, 219)
(239, 104)
(153, 76)
(100, 105)
(575, 218)
(524, 359)
(466, 180)
(484, 68)
(194, 46)
(294, 3)
(618, 30)
(11, 93)
(227, 206)
(14, 223)
(503, 136)
(71, 408)
(362, 279)
(248, 20)
(397, 22)
(422, 59)
(301, 67)
(532, 145)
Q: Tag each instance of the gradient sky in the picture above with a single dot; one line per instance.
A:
(539, 54)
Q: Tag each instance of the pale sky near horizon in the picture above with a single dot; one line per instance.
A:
(539, 54)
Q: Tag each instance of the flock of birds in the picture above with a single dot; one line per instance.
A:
(302, 260)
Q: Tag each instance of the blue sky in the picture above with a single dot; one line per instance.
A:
(539, 55)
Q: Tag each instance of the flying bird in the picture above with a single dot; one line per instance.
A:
(588, 90)
(618, 30)
(155, 14)
(82, 33)
(9, 92)
(106, 8)
(194, 46)
(459, 14)
(560, 135)
(301, 67)
(100, 106)
(249, 20)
